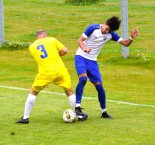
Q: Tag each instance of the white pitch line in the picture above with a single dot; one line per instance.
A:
(89, 98)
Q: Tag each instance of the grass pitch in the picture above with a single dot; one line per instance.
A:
(131, 124)
(130, 100)
(129, 83)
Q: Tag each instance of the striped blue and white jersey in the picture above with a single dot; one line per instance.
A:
(95, 40)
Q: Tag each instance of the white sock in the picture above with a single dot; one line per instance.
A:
(103, 110)
(78, 104)
(72, 101)
(28, 105)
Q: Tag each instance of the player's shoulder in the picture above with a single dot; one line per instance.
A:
(50, 38)
(91, 28)
(94, 26)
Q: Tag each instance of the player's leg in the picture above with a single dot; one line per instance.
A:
(81, 71)
(28, 107)
(102, 99)
(29, 103)
(80, 87)
(62, 79)
(71, 97)
(80, 64)
(101, 95)
(79, 92)
(95, 78)
(39, 83)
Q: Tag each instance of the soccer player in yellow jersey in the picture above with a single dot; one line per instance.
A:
(47, 52)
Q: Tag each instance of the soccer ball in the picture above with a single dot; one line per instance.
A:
(69, 116)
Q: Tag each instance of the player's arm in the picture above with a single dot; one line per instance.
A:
(86, 34)
(127, 42)
(81, 44)
(63, 51)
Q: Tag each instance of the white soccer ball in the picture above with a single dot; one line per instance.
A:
(69, 116)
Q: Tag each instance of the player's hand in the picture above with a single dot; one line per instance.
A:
(134, 33)
(87, 50)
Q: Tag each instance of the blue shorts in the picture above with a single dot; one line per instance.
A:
(90, 67)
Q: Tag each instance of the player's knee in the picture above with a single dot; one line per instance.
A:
(68, 92)
(97, 84)
(83, 80)
(33, 92)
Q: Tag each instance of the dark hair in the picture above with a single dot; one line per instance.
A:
(113, 23)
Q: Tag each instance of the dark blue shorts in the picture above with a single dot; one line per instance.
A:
(90, 67)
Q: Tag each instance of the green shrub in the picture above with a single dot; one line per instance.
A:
(84, 2)
(13, 45)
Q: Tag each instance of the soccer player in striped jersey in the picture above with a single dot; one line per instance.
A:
(90, 44)
(47, 52)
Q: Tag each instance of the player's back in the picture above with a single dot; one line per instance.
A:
(45, 52)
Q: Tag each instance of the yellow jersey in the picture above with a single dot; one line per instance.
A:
(45, 53)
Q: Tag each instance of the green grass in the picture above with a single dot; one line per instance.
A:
(132, 124)
(126, 81)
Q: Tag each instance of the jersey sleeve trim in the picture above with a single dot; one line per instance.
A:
(84, 35)
(119, 40)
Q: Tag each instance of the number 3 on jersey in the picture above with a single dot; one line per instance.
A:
(42, 49)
